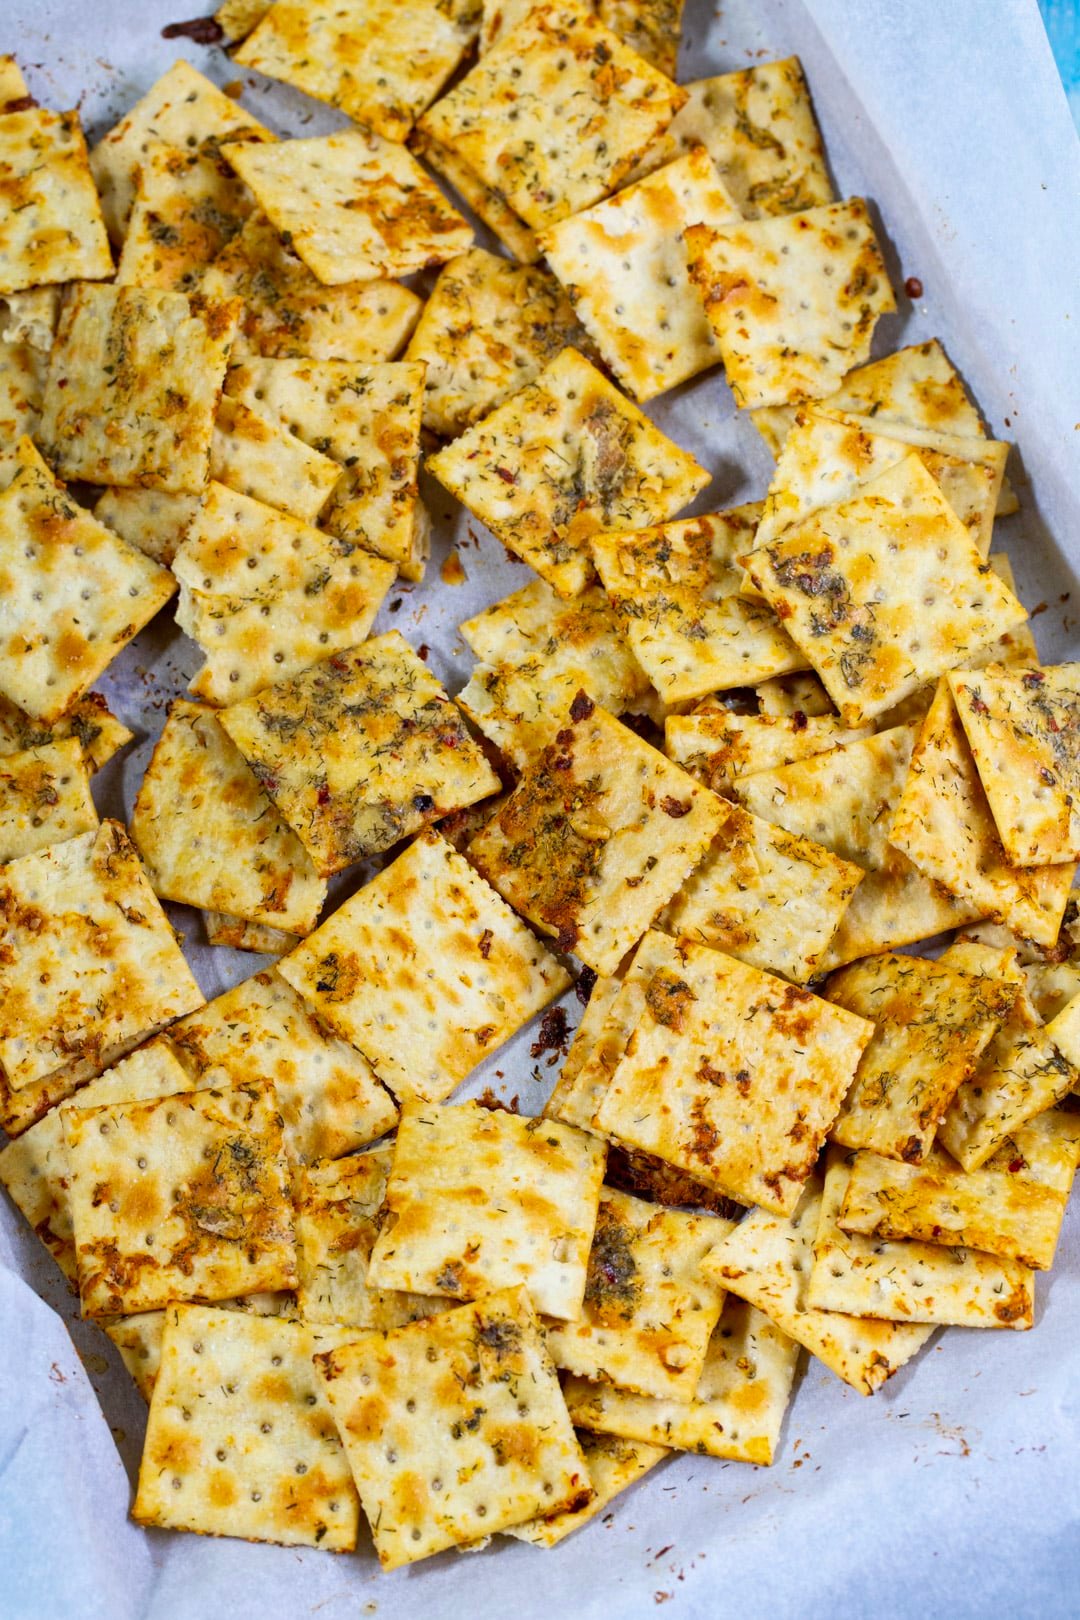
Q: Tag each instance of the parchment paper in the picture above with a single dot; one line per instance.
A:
(956, 1490)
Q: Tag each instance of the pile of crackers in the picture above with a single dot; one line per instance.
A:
(725, 770)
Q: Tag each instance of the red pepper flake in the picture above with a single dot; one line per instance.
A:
(583, 989)
(19, 104)
(485, 943)
(1015, 1165)
(675, 807)
(1034, 677)
(553, 1034)
(798, 721)
(201, 30)
(423, 651)
(506, 475)
(913, 287)
(323, 795)
(582, 706)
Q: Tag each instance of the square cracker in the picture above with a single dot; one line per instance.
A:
(99, 732)
(673, 589)
(650, 27)
(360, 750)
(454, 1427)
(647, 1314)
(479, 1199)
(517, 706)
(289, 313)
(883, 591)
(148, 519)
(488, 328)
(785, 329)
(52, 228)
(44, 798)
(71, 593)
(933, 1021)
(183, 109)
(733, 1076)
(565, 459)
(139, 1337)
(910, 1282)
(133, 387)
(767, 1261)
(257, 456)
(368, 421)
(425, 970)
(23, 370)
(34, 1168)
(1013, 1207)
(197, 1204)
(943, 823)
(719, 746)
(340, 1212)
(88, 960)
(765, 896)
(623, 263)
(1023, 729)
(208, 834)
(265, 594)
(353, 206)
(599, 833)
(240, 1440)
(327, 1095)
(555, 115)
(614, 1465)
(187, 207)
(379, 61)
(758, 127)
(240, 935)
(737, 1409)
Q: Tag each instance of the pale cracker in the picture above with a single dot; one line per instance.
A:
(236, 18)
(565, 459)
(892, 907)
(765, 896)
(352, 206)
(883, 591)
(614, 1465)
(1051, 986)
(71, 593)
(148, 519)
(786, 330)
(555, 115)
(31, 316)
(647, 1314)
(188, 206)
(479, 1199)
(240, 1440)
(23, 370)
(455, 1427)
(138, 1338)
(943, 823)
(767, 1261)
(733, 1076)
(182, 109)
(99, 732)
(719, 746)
(425, 970)
(133, 387)
(326, 1092)
(52, 228)
(1013, 1207)
(89, 961)
(488, 328)
(253, 454)
(379, 61)
(736, 1412)
(44, 798)
(360, 751)
(289, 313)
(239, 935)
(911, 1282)
(265, 595)
(624, 266)
(599, 833)
(208, 834)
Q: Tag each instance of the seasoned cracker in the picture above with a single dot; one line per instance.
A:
(239, 935)
(352, 206)
(23, 370)
(236, 18)
(650, 27)
(99, 732)
(565, 459)
(718, 746)
(488, 328)
(31, 316)
(599, 833)
(623, 263)
(188, 206)
(518, 706)
(13, 87)
(765, 896)
(737, 1409)
(326, 1093)
(379, 61)
(455, 1427)
(148, 519)
(785, 329)
(488, 203)
(258, 457)
(480, 1199)
(794, 694)
(360, 750)
(133, 386)
(44, 798)
(240, 1440)
(614, 1465)
(648, 1314)
(208, 834)
(265, 595)
(733, 1076)
(767, 1261)
(425, 970)
(52, 228)
(910, 1282)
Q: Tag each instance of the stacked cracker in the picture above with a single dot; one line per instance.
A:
(719, 758)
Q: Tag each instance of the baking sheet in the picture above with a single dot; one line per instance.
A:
(954, 1489)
